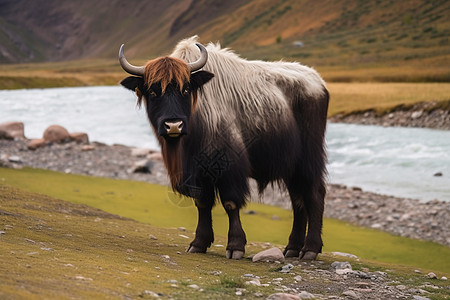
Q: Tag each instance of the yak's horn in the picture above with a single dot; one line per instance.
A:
(197, 65)
(133, 70)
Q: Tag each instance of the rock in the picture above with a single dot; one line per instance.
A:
(79, 137)
(194, 286)
(152, 237)
(306, 295)
(148, 293)
(249, 275)
(416, 114)
(431, 275)
(155, 156)
(438, 174)
(415, 297)
(254, 281)
(272, 254)
(143, 166)
(351, 294)
(56, 134)
(12, 130)
(181, 229)
(15, 159)
(341, 265)
(140, 152)
(87, 148)
(344, 254)
(286, 268)
(36, 143)
(2, 232)
(283, 296)
(298, 278)
(443, 278)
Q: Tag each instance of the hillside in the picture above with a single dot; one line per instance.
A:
(335, 36)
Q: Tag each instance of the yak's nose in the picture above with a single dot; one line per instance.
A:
(173, 127)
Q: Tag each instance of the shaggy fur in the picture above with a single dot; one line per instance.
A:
(257, 119)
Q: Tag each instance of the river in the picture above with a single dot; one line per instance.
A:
(393, 161)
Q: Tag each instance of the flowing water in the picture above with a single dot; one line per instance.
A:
(392, 161)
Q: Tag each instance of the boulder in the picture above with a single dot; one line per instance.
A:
(36, 143)
(56, 134)
(12, 130)
(155, 156)
(79, 137)
(272, 254)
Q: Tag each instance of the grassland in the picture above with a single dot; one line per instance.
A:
(56, 247)
(156, 205)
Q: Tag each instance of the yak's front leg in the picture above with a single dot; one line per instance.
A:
(204, 235)
(236, 235)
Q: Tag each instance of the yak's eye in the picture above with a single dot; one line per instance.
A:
(185, 91)
(151, 93)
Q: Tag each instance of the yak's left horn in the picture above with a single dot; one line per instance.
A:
(197, 65)
(133, 70)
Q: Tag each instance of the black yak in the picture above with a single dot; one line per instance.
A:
(221, 119)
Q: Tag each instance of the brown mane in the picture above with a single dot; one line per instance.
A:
(165, 70)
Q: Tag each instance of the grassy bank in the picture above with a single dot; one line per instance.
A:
(156, 205)
(55, 249)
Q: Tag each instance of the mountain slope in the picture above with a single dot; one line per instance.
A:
(344, 34)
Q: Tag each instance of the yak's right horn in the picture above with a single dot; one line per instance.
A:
(129, 68)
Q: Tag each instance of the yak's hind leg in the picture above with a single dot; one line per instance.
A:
(308, 206)
(298, 232)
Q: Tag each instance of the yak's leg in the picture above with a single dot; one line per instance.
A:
(308, 205)
(232, 193)
(204, 235)
(314, 208)
(236, 235)
(297, 236)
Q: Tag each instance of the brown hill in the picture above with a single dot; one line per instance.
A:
(343, 34)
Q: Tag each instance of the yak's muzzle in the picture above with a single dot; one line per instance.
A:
(174, 128)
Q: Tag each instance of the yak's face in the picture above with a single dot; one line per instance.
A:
(169, 111)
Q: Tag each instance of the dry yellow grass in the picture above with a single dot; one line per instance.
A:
(348, 97)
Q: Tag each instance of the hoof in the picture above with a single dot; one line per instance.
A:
(193, 249)
(291, 253)
(236, 254)
(308, 255)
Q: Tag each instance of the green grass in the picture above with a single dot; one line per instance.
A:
(155, 205)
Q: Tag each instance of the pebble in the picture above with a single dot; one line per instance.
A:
(2, 232)
(283, 296)
(298, 278)
(443, 278)
(194, 286)
(152, 237)
(431, 275)
(306, 295)
(149, 294)
(181, 229)
(254, 281)
(415, 297)
(344, 254)
(286, 268)
(351, 294)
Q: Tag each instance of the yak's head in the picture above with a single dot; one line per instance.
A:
(168, 87)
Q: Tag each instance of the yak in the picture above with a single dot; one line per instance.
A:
(221, 119)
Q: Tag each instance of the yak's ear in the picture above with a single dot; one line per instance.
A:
(133, 83)
(200, 78)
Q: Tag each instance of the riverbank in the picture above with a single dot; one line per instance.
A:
(404, 217)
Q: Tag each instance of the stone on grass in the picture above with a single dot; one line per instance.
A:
(431, 275)
(271, 255)
(306, 295)
(143, 166)
(56, 134)
(283, 296)
(12, 130)
(286, 268)
(351, 294)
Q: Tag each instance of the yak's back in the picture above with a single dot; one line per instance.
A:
(257, 94)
